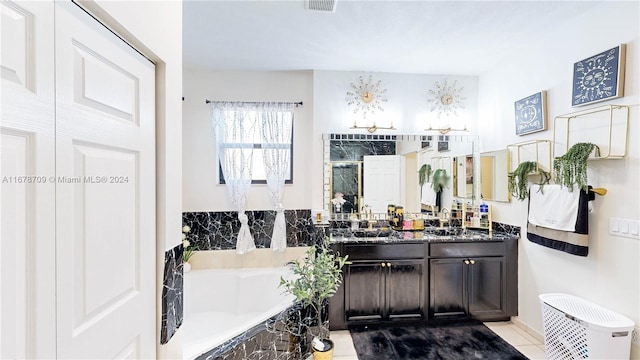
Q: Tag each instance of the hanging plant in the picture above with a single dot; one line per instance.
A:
(440, 179)
(571, 168)
(424, 174)
(518, 179)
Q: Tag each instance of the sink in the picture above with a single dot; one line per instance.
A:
(376, 232)
(445, 231)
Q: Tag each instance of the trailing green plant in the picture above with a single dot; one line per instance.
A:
(440, 179)
(518, 179)
(571, 168)
(316, 278)
(424, 174)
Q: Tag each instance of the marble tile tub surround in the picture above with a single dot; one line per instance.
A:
(172, 292)
(283, 336)
(218, 230)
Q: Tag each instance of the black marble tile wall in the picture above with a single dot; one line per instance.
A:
(353, 147)
(284, 336)
(506, 228)
(219, 230)
(350, 150)
(172, 290)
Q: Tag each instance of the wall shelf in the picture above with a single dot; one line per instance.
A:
(606, 112)
(540, 145)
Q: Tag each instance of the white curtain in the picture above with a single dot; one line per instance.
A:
(234, 124)
(276, 124)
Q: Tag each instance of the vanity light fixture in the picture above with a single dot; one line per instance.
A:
(371, 129)
(446, 129)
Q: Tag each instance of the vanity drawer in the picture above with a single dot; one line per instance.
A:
(467, 249)
(384, 251)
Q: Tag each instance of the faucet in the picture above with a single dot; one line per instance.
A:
(444, 217)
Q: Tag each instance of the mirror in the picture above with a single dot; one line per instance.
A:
(463, 176)
(494, 175)
(366, 172)
(457, 160)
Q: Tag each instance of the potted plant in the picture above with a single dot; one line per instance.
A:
(424, 174)
(571, 168)
(440, 179)
(518, 179)
(316, 278)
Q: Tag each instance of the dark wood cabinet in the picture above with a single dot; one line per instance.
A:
(364, 295)
(384, 290)
(467, 287)
(419, 281)
(447, 292)
(382, 284)
(487, 295)
(405, 288)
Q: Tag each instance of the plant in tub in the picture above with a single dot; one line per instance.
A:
(316, 278)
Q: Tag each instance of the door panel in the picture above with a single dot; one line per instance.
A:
(405, 289)
(364, 291)
(486, 287)
(103, 85)
(17, 33)
(447, 287)
(105, 197)
(27, 166)
(384, 177)
(13, 249)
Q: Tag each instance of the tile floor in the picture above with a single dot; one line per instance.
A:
(518, 338)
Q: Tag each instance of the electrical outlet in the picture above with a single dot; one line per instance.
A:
(635, 336)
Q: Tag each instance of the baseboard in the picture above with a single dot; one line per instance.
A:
(526, 328)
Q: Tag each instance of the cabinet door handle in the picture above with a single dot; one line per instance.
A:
(383, 264)
(466, 261)
(472, 262)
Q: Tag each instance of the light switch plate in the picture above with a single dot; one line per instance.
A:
(624, 227)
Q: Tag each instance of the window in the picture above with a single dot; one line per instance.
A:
(252, 130)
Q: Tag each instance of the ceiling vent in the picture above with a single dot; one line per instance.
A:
(320, 5)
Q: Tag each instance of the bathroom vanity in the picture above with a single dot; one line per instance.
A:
(418, 277)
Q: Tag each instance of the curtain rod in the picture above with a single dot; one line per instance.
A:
(299, 103)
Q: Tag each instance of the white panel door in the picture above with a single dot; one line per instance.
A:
(105, 196)
(27, 169)
(383, 179)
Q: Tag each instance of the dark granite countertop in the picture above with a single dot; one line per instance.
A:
(428, 235)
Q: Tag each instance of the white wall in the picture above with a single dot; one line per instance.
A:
(406, 107)
(609, 275)
(201, 191)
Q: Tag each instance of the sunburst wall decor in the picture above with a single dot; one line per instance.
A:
(366, 96)
(446, 98)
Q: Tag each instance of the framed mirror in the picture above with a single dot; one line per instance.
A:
(372, 171)
(494, 175)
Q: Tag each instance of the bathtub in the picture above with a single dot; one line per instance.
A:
(220, 304)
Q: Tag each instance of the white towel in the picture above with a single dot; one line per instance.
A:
(428, 195)
(555, 207)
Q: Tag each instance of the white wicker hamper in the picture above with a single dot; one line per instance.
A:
(578, 329)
